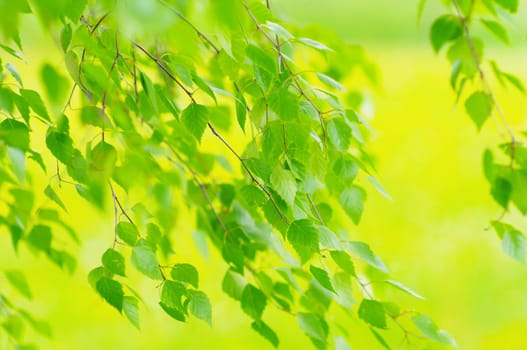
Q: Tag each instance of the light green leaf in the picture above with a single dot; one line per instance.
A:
(253, 301)
(111, 291)
(200, 306)
(343, 260)
(145, 261)
(372, 312)
(339, 134)
(404, 288)
(513, 241)
(326, 79)
(14, 133)
(127, 232)
(322, 277)
(341, 343)
(509, 5)
(185, 273)
(284, 183)
(429, 329)
(233, 284)
(380, 339)
(352, 200)
(172, 293)
(113, 261)
(19, 282)
(131, 310)
(303, 236)
(364, 252)
(313, 326)
(497, 29)
(51, 194)
(479, 106)
(314, 44)
(35, 102)
(195, 118)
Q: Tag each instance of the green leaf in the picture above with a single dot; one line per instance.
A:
(145, 261)
(380, 339)
(111, 291)
(479, 106)
(241, 110)
(131, 310)
(185, 273)
(40, 237)
(233, 284)
(364, 252)
(35, 102)
(265, 331)
(174, 313)
(314, 44)
(253, 301)
(343, 260)
(261, 58)
(14, 133)
(51, 194)
(200, 306)
(313, 326)
(404, 288)
(341, 343)
(326, 79)
(444, 29)
(339, 134)
(497, 29)
(322, 277)
(352, 200)
(14, 72)
(284, 104)
(113, 261)
(513, 241)
(372, 312)
(195, 118)
(127, 232)
(509, 5)
(303, 236)
(501, 191)
(172, 293)
(19, 282)
(284, 184)
(429, 329)
(65, 37)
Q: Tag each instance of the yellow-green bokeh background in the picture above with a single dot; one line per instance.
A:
(433, 235)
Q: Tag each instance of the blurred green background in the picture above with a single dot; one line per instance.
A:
(433, 235)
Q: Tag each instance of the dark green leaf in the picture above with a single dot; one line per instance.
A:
(253, 301)
(14, 133)
(111, 291)
(172, 293)
(265, 331)
(444, 29)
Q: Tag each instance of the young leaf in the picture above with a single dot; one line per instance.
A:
(19, 282)
(131, 310)
(303, 236)
(478, 106)
(352, 200)
(429, 329)
(513, 241)
(51, 194)
(253, 301)
(313, 326)
(113, 261)
(509, 5)
(372, 312)
(171, 294)
(380, 339)
(195, 118)
(265, 331)
(404, 288)
(200, 306)
(343, 260)
(14, 133)
(314, 44)
(111, 291)
(145, 261)
(284, 183)
(233, 284)
(444, 29)
(322, 277)
(364, 252)
(497, 29)
(185, 273)
(127, 232)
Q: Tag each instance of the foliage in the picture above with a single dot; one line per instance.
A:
(243, 122)
(506, 172)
